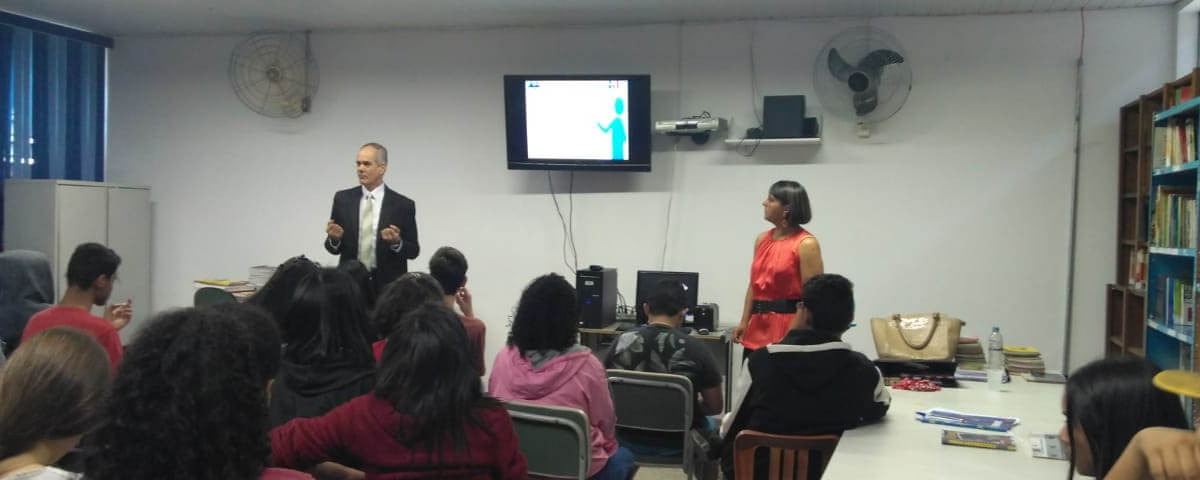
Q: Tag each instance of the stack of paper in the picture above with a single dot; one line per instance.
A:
(232, 286)
(969, 351)
(1024, 360)
(259, 274)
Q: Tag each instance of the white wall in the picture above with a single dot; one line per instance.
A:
(959, 203)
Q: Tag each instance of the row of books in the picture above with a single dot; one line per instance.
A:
(1175, 144)
(1176, 305)
(1174, 222)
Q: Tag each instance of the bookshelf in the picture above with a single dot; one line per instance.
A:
(1171, 218)
(1125, 312)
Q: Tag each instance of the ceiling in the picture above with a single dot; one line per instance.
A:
(181, 17)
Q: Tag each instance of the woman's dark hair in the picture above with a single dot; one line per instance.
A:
(327, 322)
(794, 198)
(190, 401)
(404, 295)
(547, 316)
(426, 374)
(53, 387)
(1112, 399)
(276, 296)
(362, 278)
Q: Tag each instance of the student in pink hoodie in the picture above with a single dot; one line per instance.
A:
(544, 364)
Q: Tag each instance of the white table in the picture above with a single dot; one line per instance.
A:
(899, 447)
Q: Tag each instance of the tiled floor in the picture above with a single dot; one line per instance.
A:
(651, 473)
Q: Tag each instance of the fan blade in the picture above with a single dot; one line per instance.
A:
(876, 60)
(865, 102)
(838, 67)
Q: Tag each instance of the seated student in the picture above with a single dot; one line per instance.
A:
(811, 382)
(544, 364)
(190, 402)
(26, 288)
(362, 278)
(91, 273)
(51, 393)
(427, 417)
(276, 296)
(661, 347)
(403, 295)
(1106, 403)
(327, 351)
(449, 267)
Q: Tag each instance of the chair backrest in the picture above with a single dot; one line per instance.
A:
(792, 456)
(555, 440)
(652, 401)
(211, 296)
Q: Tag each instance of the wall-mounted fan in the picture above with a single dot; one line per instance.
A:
(862, 75)
(275, 74)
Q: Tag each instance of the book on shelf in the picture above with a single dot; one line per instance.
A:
(1137, 269)
(1173, 225)
(1176, 307)
(1175, 143)
(979, 440)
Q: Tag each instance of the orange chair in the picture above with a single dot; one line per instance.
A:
(792, 456)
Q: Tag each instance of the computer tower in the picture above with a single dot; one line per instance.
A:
(596, 291)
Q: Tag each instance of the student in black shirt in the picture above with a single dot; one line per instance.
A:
(811, 382)
(660, 346)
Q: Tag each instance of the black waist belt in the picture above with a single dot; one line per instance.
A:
(774, 306)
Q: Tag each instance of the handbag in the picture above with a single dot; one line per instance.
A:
(923, 336)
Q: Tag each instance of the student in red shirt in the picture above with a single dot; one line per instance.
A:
(449, 267)
(428, 416)
(91, 273)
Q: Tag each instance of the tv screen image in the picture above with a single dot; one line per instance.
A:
(580, 122)
(580, 119)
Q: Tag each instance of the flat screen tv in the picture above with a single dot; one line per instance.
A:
(578, 122)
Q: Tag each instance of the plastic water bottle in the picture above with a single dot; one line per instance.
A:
(995, 360)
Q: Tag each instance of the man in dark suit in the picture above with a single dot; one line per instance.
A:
(372, 223)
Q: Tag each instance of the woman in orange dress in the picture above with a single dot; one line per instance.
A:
(784, 258)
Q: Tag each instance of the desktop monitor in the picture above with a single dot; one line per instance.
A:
(647, 279)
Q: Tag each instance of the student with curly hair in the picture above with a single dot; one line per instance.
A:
(327, 354)
(427, 417)
(403, 295)
(544, 364)
(51, 393)
(190, 402)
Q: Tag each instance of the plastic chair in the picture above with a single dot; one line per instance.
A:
(211, 296)
(655, 402)
(555, 440)
(792, 457)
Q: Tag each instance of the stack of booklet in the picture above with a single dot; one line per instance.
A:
(1020, 360)
(941, 416)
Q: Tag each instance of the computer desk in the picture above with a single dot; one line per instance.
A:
(599, 339)
(899, 447)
